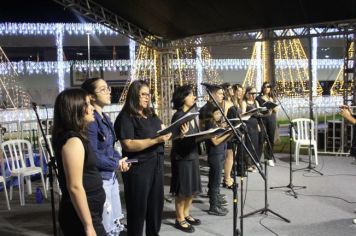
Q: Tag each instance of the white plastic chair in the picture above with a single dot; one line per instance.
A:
(3, 181)
(303, 138)
(44, 155)
(15, 152)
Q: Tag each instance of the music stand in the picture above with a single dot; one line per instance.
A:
(237, 135)
(291, 186)
(266, 209)
(51, 168)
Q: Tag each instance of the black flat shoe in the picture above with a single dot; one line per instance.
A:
(188, 229)
(192, 221)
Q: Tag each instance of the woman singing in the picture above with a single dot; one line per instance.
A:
(249, 102)
(269, 120)
(185, 182)
(136, 127)
(228, 182)
(83, 197)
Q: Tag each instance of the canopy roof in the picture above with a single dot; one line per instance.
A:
(179, 19)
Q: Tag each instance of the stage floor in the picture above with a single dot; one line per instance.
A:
(325, 207)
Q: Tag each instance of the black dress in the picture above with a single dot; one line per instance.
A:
(92, 183)
(185, 180)
(254, 133)
(233, 113)
(270, 123)
(143, 182)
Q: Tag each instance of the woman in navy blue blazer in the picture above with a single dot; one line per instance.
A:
(102, 138)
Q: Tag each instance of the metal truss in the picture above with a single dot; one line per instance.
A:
(98, 13)
(301, 31)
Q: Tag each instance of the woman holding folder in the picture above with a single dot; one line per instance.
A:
(136, 127)
(253, 128)
(269, 120)
(185, 182)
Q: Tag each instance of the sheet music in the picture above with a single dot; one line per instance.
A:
(174, 128)
(269, 105)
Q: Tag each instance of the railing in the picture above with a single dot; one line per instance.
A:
(333, 133)
(330, 127)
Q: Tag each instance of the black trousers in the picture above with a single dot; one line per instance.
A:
(71, 224)
(143, 185)
(216, 162)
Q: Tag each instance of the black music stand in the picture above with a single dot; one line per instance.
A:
(291, 186)
(237, 135)
(266, 209)
(51, 168)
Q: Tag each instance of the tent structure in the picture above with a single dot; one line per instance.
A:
(162, 24)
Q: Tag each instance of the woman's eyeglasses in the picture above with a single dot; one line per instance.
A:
(104, 90)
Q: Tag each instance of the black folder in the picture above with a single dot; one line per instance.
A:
(269, 105)
(174, 128)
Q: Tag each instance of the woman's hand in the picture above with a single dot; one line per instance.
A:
(123, 165)
(345, 112)
(164, 138)
(184, 128)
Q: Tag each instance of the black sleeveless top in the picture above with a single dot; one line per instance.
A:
(92, 181)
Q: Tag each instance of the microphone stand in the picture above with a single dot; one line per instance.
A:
(265, 209)
(291, 186)
(237, 135)
(51, 167)
(310, 167)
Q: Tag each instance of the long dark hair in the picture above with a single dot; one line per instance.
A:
(247, 90)
(264, 86)
(180, 93)
(133, 99)
(225, 87)
(89, 85)
(69, 111)
(235, 100)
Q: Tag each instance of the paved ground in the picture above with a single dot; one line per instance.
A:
(325, 207)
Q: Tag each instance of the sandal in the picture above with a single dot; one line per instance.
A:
(184, 226)
(192, 221)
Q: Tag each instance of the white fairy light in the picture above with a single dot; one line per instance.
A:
(59, 44)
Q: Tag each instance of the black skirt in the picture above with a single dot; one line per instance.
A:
(185, 180)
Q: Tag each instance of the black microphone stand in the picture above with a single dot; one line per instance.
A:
(310, 167)
(265, 209)
(291, 186)
(51, 167)
(238, 136)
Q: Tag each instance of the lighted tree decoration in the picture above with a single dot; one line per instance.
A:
(291, 72)
(339, 87)
(12, 93)
(184, 66)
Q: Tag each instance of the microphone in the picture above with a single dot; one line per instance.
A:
(34, 104)
(206, 84)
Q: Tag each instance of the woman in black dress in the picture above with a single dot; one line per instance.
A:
(228, 182)
(185, 182)
(83, 197)
(237, 147)
(269, 120)
(136, 127)
(253, 128)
